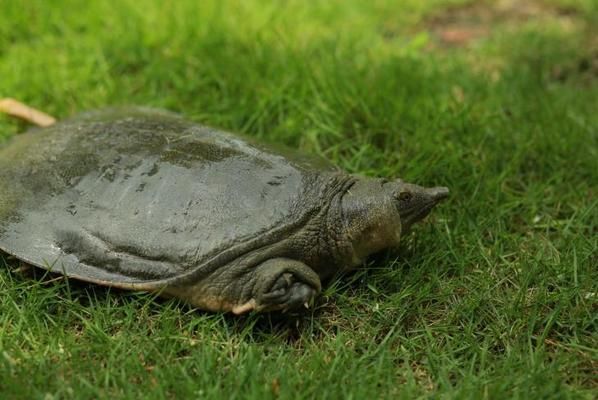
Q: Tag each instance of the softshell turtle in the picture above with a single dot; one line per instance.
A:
(144, 199)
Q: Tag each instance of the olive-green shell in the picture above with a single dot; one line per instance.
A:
(136, 197)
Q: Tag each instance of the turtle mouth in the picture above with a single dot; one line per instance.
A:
(415, 216)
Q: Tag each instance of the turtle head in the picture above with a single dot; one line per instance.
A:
(414, 202)
(376, 212)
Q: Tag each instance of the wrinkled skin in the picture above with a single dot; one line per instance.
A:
(143, 199)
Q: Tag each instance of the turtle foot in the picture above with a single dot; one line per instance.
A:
(282, 284)
(287, 294)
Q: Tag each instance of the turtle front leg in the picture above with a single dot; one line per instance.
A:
(281, 284)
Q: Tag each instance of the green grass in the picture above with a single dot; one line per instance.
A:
(495, 296)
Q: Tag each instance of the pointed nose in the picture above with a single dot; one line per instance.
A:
(438, 193)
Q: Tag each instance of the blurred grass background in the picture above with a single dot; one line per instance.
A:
(494, 297)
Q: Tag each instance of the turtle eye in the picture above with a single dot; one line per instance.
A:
(405, 196)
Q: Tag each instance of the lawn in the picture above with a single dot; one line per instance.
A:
(494, 296)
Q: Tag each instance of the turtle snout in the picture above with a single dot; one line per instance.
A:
(438, 193)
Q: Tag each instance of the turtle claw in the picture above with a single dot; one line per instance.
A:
(287, 294)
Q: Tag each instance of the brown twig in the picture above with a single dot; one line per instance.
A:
(22, 111)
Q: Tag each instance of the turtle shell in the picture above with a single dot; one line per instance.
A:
(137, 197)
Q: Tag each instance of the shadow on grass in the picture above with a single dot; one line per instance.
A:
(53, 296)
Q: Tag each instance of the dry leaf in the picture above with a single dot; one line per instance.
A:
(275, 385)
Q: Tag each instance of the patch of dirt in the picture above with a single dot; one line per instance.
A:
(585, 68)
(464, 24)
